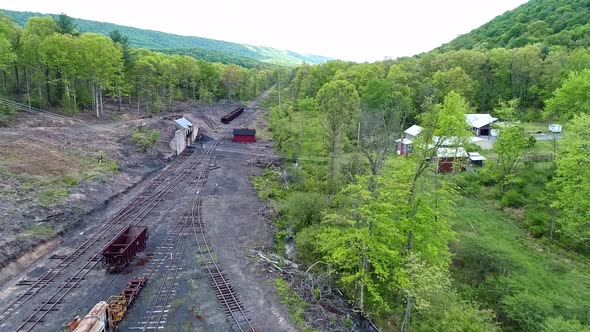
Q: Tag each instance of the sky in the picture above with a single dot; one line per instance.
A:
(366, 30)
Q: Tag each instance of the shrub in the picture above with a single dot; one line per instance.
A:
(303, 209)
(6, 115)
(559, 324)
(512, 198)
(145, 139)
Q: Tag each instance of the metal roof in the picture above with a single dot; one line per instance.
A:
(479, 120)
(451, 153)
(475, 156)
(414, 130)
(244, 132)
(184, 123)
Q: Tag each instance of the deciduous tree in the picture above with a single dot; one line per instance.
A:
(339, 104)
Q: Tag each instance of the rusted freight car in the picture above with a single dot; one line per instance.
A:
(234, 114)
(121, 250)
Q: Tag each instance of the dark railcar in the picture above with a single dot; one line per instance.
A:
(234, 114)
(121, 250)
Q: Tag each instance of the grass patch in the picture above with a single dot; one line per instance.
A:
(52, 196)
(535, 127)
(524, 280)
(43, 230)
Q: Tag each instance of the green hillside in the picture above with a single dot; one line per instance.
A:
(548, 22)
(206, 49)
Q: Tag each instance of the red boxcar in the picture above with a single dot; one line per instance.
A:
(121, 250)
(244, 135)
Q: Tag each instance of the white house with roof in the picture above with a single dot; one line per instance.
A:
(185, 135)
(405, 143)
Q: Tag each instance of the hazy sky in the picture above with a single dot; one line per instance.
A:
(366, 30)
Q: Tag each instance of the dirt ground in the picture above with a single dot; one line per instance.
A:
(231, 211)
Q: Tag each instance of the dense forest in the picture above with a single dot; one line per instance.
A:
(48, 63)
(504, 247)
(204, 49)
(547, 22)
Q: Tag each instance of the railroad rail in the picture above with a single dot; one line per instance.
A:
(219, 281)
(145, 196)
(72, 282)
(174, 246)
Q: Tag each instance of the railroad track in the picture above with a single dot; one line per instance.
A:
(233, 307)
(138, 203)
(173, 246)
(142, 204)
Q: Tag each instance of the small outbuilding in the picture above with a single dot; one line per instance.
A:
(476, 159)
(450, 159)
(405, 143)
(185, 135)
(480, 123)
(244, 135)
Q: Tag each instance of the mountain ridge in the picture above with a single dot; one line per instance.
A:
(549, 22)
(157, 40)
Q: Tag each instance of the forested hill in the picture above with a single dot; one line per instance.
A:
(548, 22)
(203, 48)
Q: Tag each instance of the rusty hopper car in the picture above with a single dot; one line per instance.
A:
(121, 250)
(234, 114)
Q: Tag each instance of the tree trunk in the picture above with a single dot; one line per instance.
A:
(16, 77)
(100, 95)
(95, 100)
(408, 312)
(28, 88)
(48, 88)
(120, 97)
(3, 74)
(68, 94)
(75, 100)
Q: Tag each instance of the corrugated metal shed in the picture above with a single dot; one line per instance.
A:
(451, 153)
(475, 156)
(244, 132)
(184, 123)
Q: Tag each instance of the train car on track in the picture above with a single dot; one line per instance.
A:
(234, 114)
(121, 250)
(94, 321)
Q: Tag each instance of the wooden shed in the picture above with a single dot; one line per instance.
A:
(244, 135)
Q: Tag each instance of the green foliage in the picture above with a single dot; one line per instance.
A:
(51, 196)
(6, 115)
(571, 183)
(507, 110)
(500, 265)
(339, 105)
(572, 97)
(558, 324)
(43, 230)
(292, 301)
(267, 186)
(303, 209)
(512, 198)
(510, 147)
(145, 139)
(548, 22)
(159, 40)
